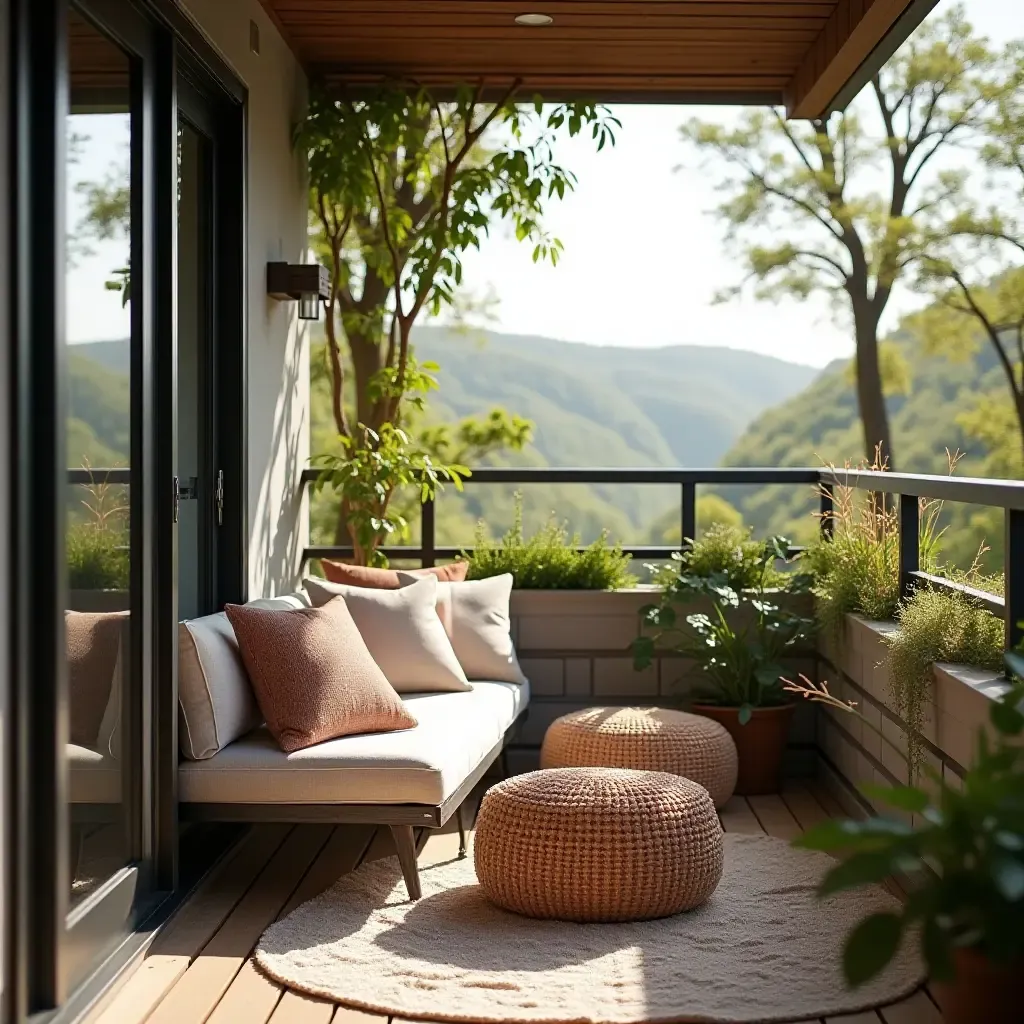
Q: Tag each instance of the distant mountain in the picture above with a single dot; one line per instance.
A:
(591, 406)
(821, 425)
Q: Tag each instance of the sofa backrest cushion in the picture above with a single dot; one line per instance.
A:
(387, 579)
(215, 697)
(403, 632)
(313, 676)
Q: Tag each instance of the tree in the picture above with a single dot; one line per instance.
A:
(401, 186)
(974, 267)
(803, 205)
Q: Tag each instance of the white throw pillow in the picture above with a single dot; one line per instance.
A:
(477, 620)
(403, 632)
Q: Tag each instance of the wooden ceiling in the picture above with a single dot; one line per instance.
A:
(809, 54)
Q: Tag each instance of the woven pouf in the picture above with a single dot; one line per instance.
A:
(598, 844)
(650, 739)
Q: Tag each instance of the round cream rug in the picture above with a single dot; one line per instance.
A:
(763, 948)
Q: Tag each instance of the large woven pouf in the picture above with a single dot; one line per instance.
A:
(598, 844)
(649, 739)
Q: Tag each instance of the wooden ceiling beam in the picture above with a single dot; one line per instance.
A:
(859, 37)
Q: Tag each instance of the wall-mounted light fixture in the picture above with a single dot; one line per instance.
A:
(307, 282)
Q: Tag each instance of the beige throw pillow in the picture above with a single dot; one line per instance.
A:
(403, 633)
(313, 676)
(477, 621)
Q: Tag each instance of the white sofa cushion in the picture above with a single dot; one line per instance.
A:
(425, 765)
(476, 617)
(403, 633)
(95, 778)
(215, 698)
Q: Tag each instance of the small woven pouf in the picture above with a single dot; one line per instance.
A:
(598, 844)
(649, 739)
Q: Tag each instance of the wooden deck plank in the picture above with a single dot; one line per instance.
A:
(803, 805)
(775, 817)
(191, 928)
(855, 1018)
(299, 1008)
(737, 816)
(440, 848)
(200, 988)
(918, 1009)
(252, 996)
(348, 1015)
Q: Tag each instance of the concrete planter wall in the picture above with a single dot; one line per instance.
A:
(99, 600)
(574, 645)
(855, 666)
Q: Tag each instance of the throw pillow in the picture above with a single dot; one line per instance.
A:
(313, 676)
(93, 642)
(387, 579)
(480, 627)
(403, 633)
(215, 700)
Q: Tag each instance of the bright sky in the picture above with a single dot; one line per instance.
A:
(643, 255)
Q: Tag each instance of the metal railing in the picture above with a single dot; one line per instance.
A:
(908, 488)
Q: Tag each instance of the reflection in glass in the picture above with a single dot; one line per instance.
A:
(98, 535)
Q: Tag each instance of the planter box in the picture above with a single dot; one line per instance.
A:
(99, 600)
(574, 645)
(855, 667)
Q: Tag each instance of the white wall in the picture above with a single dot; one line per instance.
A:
(278, 351)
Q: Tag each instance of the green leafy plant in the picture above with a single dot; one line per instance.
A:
(550, 559)
(728, 550)
(740, 644)
(935, 625)
(372, 467)
(963, 857)
(97, 548)
(857, 568)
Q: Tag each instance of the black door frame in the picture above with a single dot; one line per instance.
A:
(37, 976)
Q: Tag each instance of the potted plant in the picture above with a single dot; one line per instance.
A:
(739, 645)
(963, 857)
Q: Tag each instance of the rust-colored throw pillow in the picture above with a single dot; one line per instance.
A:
(93, 645)
(387, 579)
(313, 677)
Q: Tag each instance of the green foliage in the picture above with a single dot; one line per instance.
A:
(372, 468)
(549, 560)
(731, 552)
(936, 625)
(740, 644)
(963, 857)
(97, 540)
(856, 570)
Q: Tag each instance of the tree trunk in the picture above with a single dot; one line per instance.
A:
(870, 398)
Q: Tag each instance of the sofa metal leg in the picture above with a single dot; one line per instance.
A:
(461, 817)
(405, 841)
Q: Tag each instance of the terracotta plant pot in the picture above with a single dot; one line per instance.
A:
(760, 744)
(981, 991)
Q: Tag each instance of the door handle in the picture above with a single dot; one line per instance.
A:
(185, 489)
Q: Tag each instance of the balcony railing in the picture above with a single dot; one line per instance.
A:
(907, 488)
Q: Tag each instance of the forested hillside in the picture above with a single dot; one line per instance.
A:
(591, 406)
(821, 426)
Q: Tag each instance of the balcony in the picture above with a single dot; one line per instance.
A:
(575, 648)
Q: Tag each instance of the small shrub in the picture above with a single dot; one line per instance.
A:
(728, 550)
(857, 569)
(936, 625)
(97, 550)
(549, 559)
(97, 558)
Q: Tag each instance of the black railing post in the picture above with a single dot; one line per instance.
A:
(827, 524)
(1013, 567)
(427, 543)
(910, 535)
(689, 521)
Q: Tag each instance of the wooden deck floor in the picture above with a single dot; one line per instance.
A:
(199, 969)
